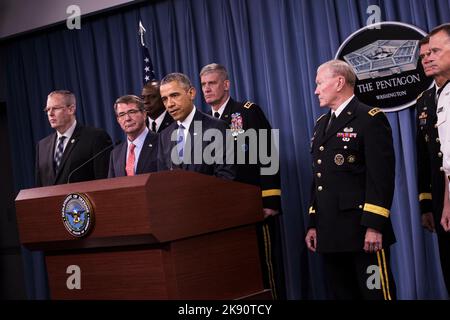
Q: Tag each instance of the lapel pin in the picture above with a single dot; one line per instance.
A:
(349, 113)
(72, 141)
(150, 145)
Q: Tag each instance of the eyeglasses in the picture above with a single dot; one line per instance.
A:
(131, 112)
(54, 108)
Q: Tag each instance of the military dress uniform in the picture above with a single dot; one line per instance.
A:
(429, 157)
(352, 190)
(240, 117)
(431, 177)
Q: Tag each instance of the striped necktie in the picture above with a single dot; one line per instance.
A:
(180, 141)
(59, 152)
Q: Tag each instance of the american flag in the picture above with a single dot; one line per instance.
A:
(149, 73)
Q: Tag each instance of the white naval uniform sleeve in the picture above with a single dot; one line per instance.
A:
(443, 124)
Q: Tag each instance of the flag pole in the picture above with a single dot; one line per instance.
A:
(141, 33)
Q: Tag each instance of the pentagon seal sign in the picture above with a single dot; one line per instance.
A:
(385, 59)
(77, 214)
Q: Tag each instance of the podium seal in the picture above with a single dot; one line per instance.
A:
(77, 214)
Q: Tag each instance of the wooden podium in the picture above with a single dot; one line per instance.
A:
(165, 235)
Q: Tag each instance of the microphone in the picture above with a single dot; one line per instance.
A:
(112, 145)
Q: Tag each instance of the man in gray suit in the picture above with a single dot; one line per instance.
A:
(138, 153)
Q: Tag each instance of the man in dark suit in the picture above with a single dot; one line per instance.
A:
(158, 118)
(353, 186)
(139, 153)
(74, 152)
(184, 144)
(431, 179)
(240, 117)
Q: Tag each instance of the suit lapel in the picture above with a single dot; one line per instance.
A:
(122, 160)
(226, 115)
(49, 151)
(146, 152)
(70, 146)
(194, 134)
(167, 120)
(431, 106)
(168, 144)
(320, 130)
(345, 117)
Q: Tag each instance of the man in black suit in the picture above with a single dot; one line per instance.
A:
(184, 144)
(353, 186)
(240, 117)
(74, 152)
(158, 118)
(431, 179)
(139, 153)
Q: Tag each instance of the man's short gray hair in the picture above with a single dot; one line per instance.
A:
(69, 97)
(130, 98)
(341, 68)
(215, 67)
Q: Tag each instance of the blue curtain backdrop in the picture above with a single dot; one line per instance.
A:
(272, 49)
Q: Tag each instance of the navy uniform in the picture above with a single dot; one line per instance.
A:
(430, 175)
(241, 117)
(352, 190)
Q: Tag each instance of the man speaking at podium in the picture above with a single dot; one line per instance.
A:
(73, 153)
(183, 144)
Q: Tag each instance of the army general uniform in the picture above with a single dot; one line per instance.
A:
(430, 173)
(352, 190)
(241, 117)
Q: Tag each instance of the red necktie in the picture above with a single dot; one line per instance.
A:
(129, 168)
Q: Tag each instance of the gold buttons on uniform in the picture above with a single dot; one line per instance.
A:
(320, 188)
(319, 175)
(360, 206)
(437, 140)
(440, 154)
(319, 161)
(321, 148)
(345, 147)
(441, 168)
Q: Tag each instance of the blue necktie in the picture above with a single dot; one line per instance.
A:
(59, 152)
(180, 141)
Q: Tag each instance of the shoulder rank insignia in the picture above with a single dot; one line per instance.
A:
(236, 126)
(374, 111)
(318, 119)
(420, 95)
(248, 104)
